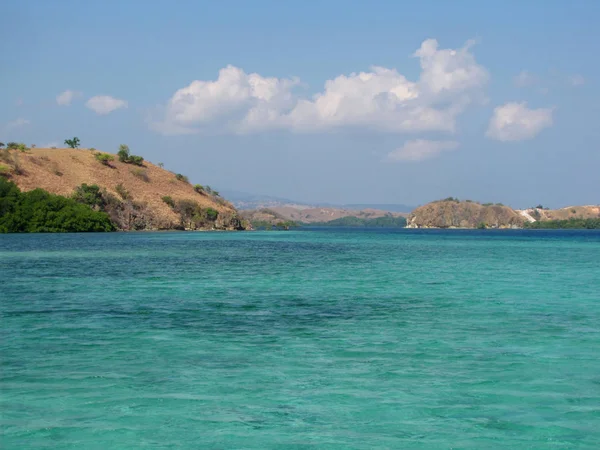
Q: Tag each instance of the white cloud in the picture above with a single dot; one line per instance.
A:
(65, 98)
(380, 99)
(17, 123)
(525, 79)
(515, 122)
(105, 104)
(420, 149)
(576, 80)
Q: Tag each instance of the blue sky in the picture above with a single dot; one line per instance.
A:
(342, 102)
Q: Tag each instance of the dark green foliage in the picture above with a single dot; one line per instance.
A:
(161, 165)
(199, 188)
(183, 178)
(128, 158)
(169, 201)
(89, 194)
(105, 158)
(73, 143)
(141, 174)
(211, 214)
(590, 224)
(137, 160)
(38, 211)
(481, 226)
(1, 144)
(123, 153)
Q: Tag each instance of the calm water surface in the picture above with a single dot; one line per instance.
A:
(325, 339)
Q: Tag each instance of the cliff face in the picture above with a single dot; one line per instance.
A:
(134, 194)
(453, 214)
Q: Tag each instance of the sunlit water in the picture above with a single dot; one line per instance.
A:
(307, 339)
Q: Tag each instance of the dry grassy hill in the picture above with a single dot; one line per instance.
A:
(570, 212)
(451, 213)
(455, 214)
(60, 171)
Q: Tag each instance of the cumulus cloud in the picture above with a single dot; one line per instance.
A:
(420, 149)
(380, 98)
(515, 122)
(65, 98)
(105, 104)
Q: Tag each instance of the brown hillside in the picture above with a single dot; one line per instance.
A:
(571, 212)
(60, 171)
(454, 214)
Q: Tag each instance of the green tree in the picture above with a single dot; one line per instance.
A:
(123, 153)
(72, 143)
(89, 194)
(38, 211)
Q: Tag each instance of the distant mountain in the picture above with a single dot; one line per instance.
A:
(245, 200)
(392, 207)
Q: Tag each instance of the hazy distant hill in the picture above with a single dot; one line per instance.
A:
(244, 200)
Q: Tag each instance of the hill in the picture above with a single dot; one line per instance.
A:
(451, 213)
(136, 197)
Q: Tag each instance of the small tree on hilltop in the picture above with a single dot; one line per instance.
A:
(72, 143)
(123, 153)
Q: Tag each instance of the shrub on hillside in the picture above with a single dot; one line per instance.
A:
(181, 177)
(4, 170)
(169, 201)
(126, 157)
(105, 158)
(193, 216)
(199, 188)
(17, 146)
(141, 174)
(88, 194)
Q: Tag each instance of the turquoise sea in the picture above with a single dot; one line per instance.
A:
(329, 339)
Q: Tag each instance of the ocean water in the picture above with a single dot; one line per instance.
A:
(330, 339)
